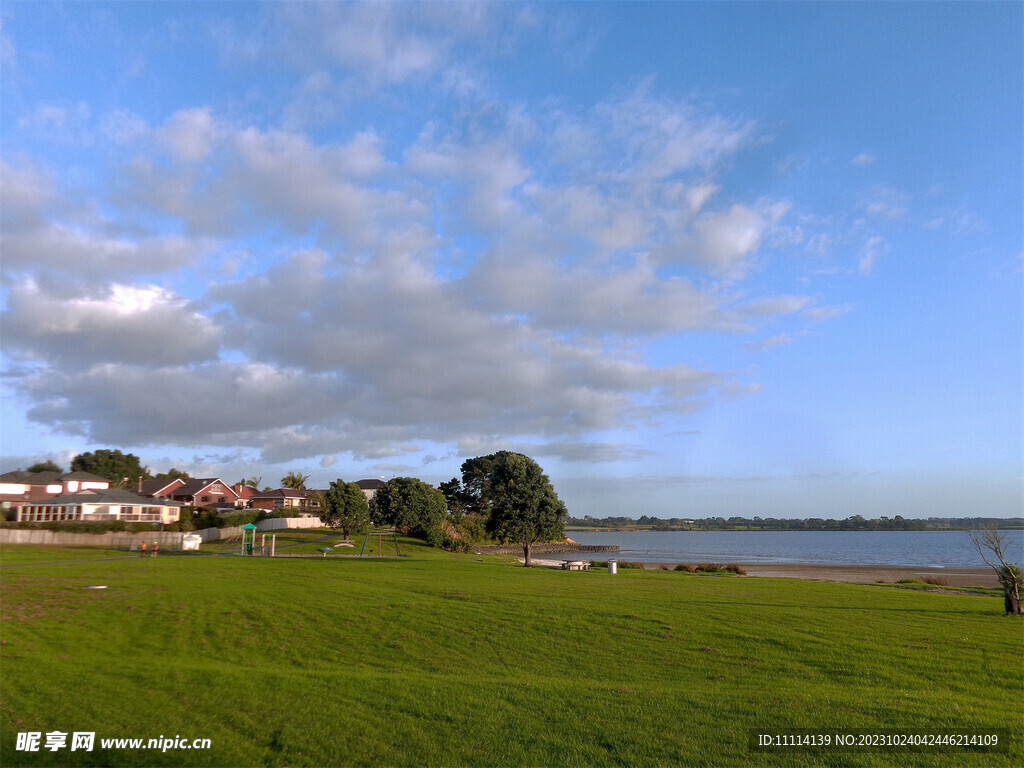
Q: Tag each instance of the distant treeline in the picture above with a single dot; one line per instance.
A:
(853, 523)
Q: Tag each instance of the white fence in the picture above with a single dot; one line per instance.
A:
(122, 540)
(280, 523)
(109, 540)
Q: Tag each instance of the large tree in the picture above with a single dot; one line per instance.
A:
(410, 505)
(345, 507)
(524, 507)
(123, 470)
(476, 475)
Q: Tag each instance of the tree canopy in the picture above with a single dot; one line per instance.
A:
(173, 474)
(121, 469)
(345, 507)
(524, 507)
(409, 505)
(46, 466)
(294, 480)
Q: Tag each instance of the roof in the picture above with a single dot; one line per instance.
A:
(15, 476)
(103, 496)
(49, 477)
(283, 493)
(84, 477)
(159, 485)
(196, 486)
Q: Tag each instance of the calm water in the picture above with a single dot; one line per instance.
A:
(939, 549)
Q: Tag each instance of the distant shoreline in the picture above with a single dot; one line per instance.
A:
(727, 529)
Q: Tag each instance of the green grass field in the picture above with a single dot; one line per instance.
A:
(447, 660)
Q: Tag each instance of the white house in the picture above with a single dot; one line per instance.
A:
(100, 506)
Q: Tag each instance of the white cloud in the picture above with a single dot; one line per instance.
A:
(863, 159)
(821, 314)
(870, 253)
(140, 324)
(772, 342)
(724, 241)
(190, 133)
(886, 203)
(569, 264)
(62, 123)
(773, 306)
(84, 253)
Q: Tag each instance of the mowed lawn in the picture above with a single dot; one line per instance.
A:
(448, 660)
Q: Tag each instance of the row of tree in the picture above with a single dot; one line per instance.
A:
(124, 470)
(504, 497)
(853, 523)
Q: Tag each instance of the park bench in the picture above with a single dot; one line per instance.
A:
(575, 565)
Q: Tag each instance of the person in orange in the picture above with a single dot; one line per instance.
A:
(142, 550)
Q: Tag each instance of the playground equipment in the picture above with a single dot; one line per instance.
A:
(381, 533)
(248, 539)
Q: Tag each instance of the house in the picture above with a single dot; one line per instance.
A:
(369, 487)
(245, 494)
(101, 505)
(307, 502)
(160, 486)
(200, 492)
(19, 487)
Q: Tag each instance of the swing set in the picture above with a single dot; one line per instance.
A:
(381, 534)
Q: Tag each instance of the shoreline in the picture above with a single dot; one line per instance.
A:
(857, 574)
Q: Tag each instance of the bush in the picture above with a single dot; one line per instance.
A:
(242, 517)
(735, 569)
(631, 565)
(71, 526)
(708, 567)
(936, 580)
(687, 568)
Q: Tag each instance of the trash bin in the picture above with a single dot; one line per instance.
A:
(613, 566)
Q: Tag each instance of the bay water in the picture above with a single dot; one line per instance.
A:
(934, 549)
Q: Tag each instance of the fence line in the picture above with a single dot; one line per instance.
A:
(125, 540)
(108, 540)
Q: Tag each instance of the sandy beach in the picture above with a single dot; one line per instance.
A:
(862, 574)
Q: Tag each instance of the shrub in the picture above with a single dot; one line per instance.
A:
(708, 567)
(687, 568)
(936, 580)
(242, 517)
(735, 569)
(631, 565)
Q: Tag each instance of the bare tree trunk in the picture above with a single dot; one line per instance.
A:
(527, 554)
(1009, 577)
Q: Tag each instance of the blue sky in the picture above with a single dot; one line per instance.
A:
(697, 259)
